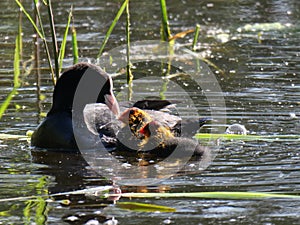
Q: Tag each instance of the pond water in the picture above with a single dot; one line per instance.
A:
(260, 85)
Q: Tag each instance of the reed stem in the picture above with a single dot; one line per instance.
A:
(17, 72)
(54, 40)
(196, 37)
(74, 45)
(129, 65)
(62, 49)
(165, 30)
(20, 38)
(112, 26)
(42, 36)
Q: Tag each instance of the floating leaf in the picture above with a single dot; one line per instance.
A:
(181, 34)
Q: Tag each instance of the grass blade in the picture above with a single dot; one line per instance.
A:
(20, 38)
(7, 101)
(62, 50)
(30, 19)
(116, 19)
(241, 137)
(213, 195)
(227, 136)
(195, 40)
(54, 40)
(74, 44)
(128, 68)
(17, 82)
(37, 10)
(17, 55)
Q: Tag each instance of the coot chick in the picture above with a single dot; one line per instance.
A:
(146, 134)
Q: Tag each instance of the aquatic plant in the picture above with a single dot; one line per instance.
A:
(38, 26)
(165, 27)
(17, 83)
(112, 26)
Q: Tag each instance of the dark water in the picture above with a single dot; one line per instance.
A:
(261, 87)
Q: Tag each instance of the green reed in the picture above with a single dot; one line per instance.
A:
(165, 28)
(17, 83)
(58, 54)
(41, 34)
(196, 36)
(53, 36)
(129, 65)
(61, 54)
(112, 26)
(75, 45)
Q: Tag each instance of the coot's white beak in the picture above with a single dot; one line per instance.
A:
(112, 103)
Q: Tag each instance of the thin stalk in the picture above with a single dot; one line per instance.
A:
(116, 19)
(164, 89)
(196, 37)
(165, 32)
(129, 73)
(20, 39)
(54, 40)
(129, 65)
(17, 72)
(29, 18)
(40, 33)
(44, 40)
(36, 40)
(165, 36)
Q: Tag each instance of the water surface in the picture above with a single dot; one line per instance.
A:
(261, 89)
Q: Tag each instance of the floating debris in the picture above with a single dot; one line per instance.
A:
(263, 27)
(293, 115)
(236, 129)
